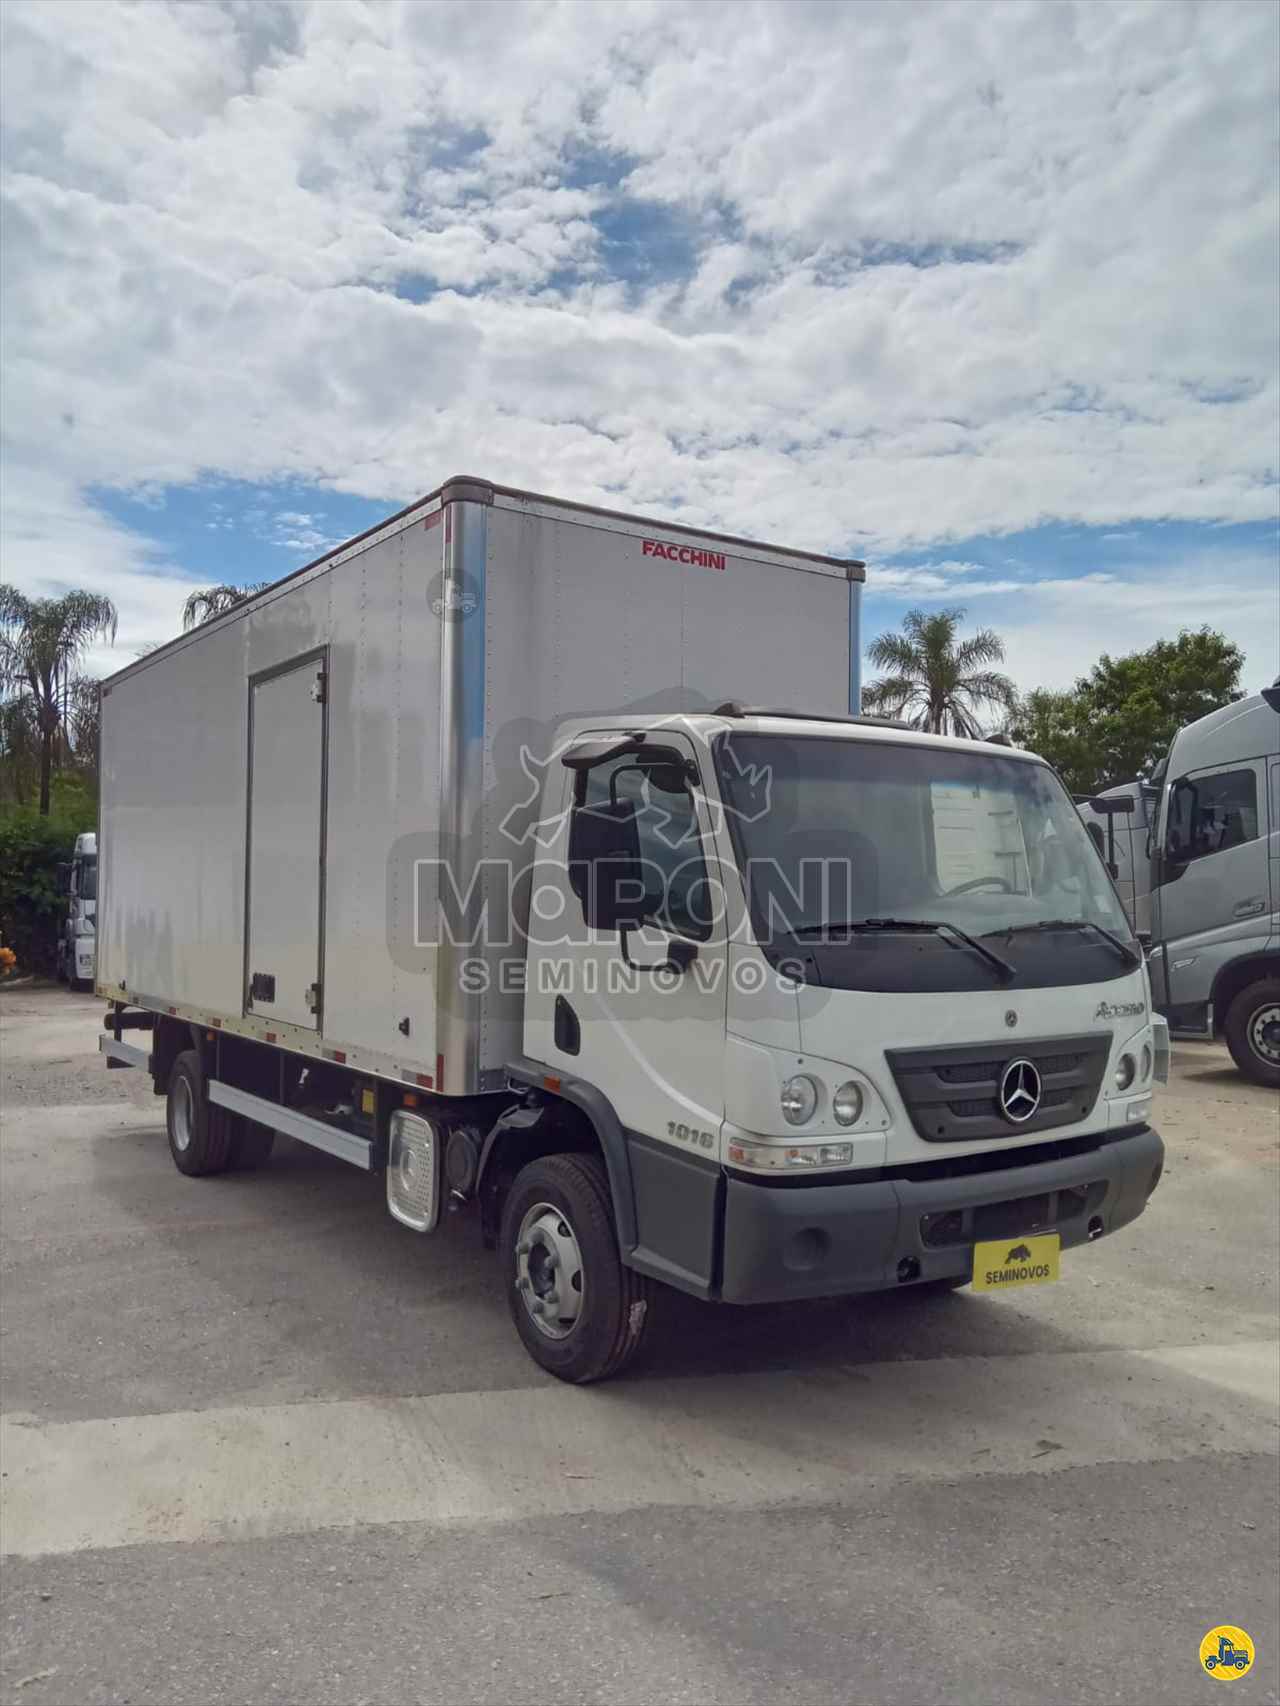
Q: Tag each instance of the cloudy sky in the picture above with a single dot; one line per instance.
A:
(985, 294)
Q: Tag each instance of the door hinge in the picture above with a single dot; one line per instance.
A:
(319, 687)
(313, 998)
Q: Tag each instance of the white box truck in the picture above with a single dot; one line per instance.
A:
(464, 855)
(75, 958)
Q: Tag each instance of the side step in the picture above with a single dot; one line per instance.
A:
(124, 1054)
(342, 1144)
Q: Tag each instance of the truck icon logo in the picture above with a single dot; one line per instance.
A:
(1020, 1090)
(1019, 1253)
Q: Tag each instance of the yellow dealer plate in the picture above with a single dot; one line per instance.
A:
(1016, 1261)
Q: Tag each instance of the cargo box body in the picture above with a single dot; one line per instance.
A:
(282, 788)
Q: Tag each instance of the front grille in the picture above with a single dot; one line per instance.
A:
(952, 1094)
(969, 1072)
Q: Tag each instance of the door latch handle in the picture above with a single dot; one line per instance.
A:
(1249, 908)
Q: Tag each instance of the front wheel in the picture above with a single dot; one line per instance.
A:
(580, 1313)
(1252, 1030)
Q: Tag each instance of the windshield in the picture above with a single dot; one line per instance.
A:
(87, 879)
(830, 833)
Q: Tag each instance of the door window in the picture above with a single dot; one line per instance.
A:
(1209, 814)
(675, 872)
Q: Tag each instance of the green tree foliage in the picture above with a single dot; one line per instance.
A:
(42, 641)
(32, 846)
(213, 601)
(1117, 722)
(935, 680)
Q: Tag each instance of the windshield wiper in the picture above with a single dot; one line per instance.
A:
(1130, 955)
(934, 927)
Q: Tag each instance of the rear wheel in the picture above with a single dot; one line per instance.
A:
(199, 1133)
(1252, 1030)
(579, 1311)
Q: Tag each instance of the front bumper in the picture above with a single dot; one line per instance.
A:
(784, 1242)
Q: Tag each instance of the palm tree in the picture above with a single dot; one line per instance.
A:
(933, 681)
(213, 601)
(41, 643)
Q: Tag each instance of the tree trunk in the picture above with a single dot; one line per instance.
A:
(46, 768)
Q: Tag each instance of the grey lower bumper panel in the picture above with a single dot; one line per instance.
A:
(824, 1240)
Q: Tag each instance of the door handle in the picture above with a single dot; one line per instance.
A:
(1249, 908)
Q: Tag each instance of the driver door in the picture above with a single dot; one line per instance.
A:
(651, 1040)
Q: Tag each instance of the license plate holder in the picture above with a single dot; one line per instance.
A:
(999, 1264)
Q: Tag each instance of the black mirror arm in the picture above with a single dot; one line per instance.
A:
(680, 954)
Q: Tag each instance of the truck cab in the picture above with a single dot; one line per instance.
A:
(1215, 963)
(78, 942)
(848, 999)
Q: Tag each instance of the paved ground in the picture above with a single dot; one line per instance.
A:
(260, 1444)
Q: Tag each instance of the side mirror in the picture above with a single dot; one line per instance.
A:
(1113, 865)
(605, 870)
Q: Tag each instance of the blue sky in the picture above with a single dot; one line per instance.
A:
(910, 281)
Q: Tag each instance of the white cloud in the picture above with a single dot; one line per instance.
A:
(52, 540)
(954, 270)
(1060, 628)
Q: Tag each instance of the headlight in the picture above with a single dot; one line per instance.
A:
(1146, 1061)
(846, 1104)
(778, 1157)
(799, 1099)
(1126, 1067)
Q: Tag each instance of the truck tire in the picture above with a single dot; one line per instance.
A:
(199, 1132)
(1252, 1030)
(251, 1144)
(579, 1311)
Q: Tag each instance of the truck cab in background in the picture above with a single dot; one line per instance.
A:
(78, 941)
(1215, 875)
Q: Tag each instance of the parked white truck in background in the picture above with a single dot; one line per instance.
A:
(456, 856)
(77, 940)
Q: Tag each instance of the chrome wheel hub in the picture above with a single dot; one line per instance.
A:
(1264, 1033)
(549, 1278)
(184, 1115)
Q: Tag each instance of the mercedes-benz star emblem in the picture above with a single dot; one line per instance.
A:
(1019, 1091)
